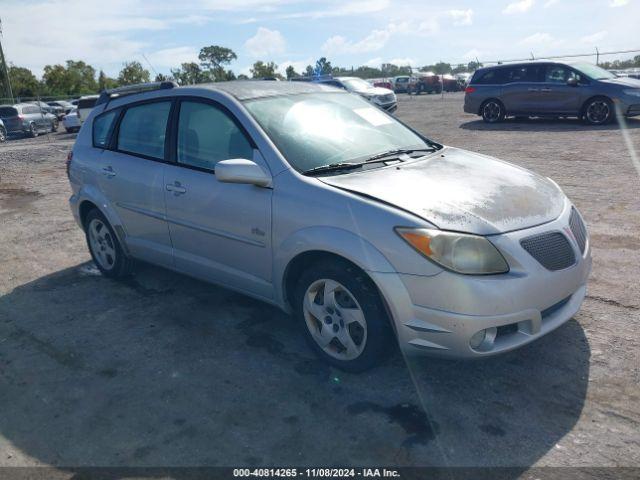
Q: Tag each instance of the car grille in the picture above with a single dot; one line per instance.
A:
(386, 98)
(552, 250)
(578, 229)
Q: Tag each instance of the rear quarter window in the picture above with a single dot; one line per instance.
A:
(87, 102)
(8, 112)
(102, 128)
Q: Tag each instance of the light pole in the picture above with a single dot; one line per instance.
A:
(3, 65)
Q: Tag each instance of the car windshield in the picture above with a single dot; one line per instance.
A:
(313, 130)
(356, 84)
(593, 71)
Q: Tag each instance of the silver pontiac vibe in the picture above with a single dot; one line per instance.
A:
(314, 200)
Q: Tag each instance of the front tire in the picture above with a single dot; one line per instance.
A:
(54, 126)
(342, 316)
(3, 135)
(598, 111)
(492, 111)
(105, 248)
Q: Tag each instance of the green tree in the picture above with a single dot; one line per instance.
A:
(473, 66)
(23, 82)
(161, 77)
(133, 72)
(263, 70)
(214, 58)
(291, 72)
(81, 77)
(460, 68)
(190, 73)
(56, 81)
(105, 82)
(323, 66)
(242, 76)
(309, 71)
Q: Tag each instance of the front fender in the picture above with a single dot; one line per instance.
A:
(331, 240)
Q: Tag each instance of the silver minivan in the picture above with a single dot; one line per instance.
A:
(314, 200)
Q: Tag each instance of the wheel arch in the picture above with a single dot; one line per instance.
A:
(91, 198)
(583, 107)
(315, 244)
(296, 267)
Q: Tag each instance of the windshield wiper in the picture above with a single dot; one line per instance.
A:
(398, 151)
(333, 167)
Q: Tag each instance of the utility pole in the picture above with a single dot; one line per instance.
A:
(4, 66)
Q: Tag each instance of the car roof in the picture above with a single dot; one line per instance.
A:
(251, 89)
(530, 62)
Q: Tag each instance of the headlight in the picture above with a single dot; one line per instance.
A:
(460, 252)
(634, 92)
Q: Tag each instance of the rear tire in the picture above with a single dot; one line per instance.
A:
(492, 111)
(33, 130)
(54, 126)
(598, 111)
(105, 248)
(342, 316)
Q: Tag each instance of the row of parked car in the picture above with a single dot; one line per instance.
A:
(424, 82)
(34, 118)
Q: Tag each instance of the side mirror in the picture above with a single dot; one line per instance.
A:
(572, 82)
(239, 170)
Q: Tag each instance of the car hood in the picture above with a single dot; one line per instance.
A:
(375, 91)
(624, 81)
(461, 191)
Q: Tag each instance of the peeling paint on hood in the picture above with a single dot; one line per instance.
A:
(461, 191)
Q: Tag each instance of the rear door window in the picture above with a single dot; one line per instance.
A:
(143, 128)
(102, 128)
(525, 73)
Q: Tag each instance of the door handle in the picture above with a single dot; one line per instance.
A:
(545, 89)
(533, 89)
(177, 188)
(108, 171)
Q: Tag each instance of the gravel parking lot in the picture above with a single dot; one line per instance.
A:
(163, 370)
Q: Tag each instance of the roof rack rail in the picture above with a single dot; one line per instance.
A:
(117, 92)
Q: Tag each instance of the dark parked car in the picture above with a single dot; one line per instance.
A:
(425, 82)
(450, 83)
(27, 118)
(552, 89)
(64, 106)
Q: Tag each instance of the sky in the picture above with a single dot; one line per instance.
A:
(295, 32)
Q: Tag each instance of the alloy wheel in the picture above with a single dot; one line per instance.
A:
(491, 111)
(598, 112)
(3, 135)
(335, 319)
(102, 244)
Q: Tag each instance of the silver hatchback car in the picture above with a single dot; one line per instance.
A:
(314, 200)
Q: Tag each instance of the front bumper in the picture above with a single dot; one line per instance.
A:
(438, 315)
(388, 107)
(633, 110)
